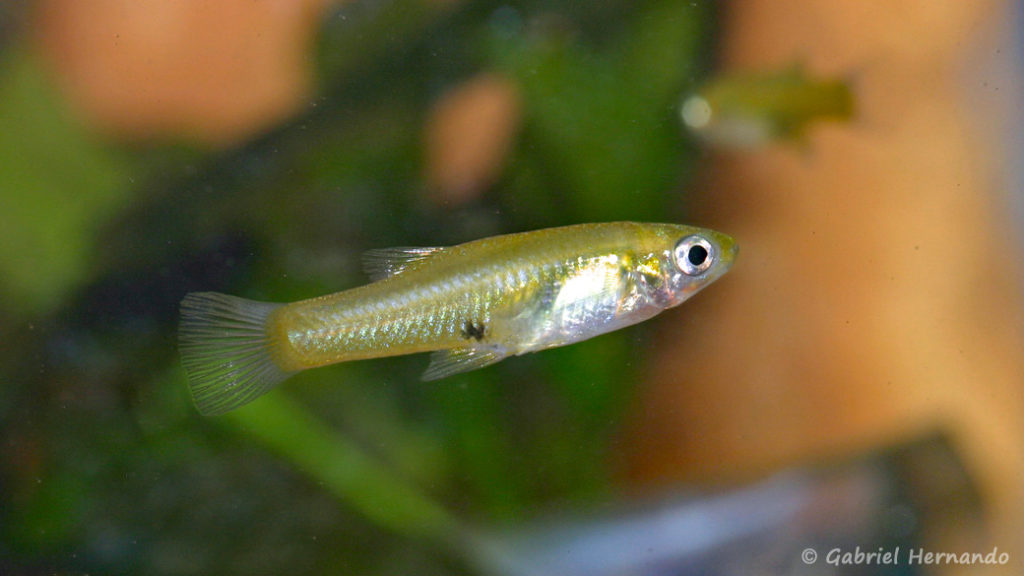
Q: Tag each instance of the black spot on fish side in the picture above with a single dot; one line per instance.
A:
(473, 330)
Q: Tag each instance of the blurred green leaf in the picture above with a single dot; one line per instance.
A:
(50, 513)
(474, 412)
(58, 184)
(343, 468)
(602, 125)
(665, 47)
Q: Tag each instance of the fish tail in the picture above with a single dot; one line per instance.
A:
(226, 350)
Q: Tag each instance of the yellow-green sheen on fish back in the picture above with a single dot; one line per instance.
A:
(471, 305)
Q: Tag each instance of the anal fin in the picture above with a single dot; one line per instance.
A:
(444, 363)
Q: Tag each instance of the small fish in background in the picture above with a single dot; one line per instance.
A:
(471, 305)
(746, 110)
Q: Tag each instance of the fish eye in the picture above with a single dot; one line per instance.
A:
(694, 255)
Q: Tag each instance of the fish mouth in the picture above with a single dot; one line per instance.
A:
(728, 250)
(734, 252)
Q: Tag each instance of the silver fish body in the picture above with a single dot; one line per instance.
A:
(472, 305)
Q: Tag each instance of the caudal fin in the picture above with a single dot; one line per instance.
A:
(226, 351)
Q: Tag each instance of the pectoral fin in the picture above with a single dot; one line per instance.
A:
(444, 363)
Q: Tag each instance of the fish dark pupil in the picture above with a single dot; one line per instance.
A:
(473, 330)
(698, 254)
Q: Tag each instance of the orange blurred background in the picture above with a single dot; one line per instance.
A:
(214, 72)
(877, 297)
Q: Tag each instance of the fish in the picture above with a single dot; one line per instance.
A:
(746, 110)
(470, 305)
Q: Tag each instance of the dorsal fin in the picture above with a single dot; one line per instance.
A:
(381, 263)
